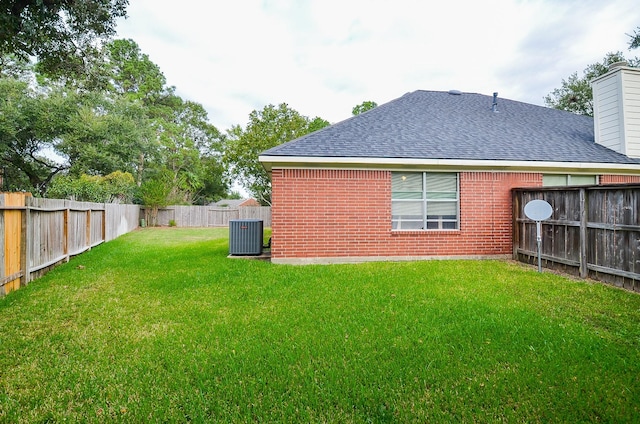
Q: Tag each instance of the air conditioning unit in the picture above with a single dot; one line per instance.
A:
(245, 237)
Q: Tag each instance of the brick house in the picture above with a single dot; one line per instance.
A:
(235, 203)
(429, 175)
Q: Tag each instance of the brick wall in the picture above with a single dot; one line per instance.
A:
(618, 179)
(347, 213)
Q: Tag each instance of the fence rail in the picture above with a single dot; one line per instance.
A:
(594, 232)
(36, 234)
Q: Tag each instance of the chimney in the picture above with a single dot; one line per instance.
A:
(494, 106)
(616, 109)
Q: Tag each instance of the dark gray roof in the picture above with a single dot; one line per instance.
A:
(440, 125)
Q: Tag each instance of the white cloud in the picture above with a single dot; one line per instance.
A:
(324, 57)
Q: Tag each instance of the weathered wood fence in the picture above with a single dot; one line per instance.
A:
(593, 232)
(37, 234)
(209, 216)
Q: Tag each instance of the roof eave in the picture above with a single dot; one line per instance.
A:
(316, 162)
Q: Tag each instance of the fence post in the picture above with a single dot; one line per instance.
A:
(2, 232)
(584, 270)
(65, 232)
(25, 245)
(516, 228)
(88, 229)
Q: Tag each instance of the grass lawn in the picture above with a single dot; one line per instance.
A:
(159, 325)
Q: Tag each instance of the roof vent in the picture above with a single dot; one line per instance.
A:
(494, 107)
(455, 92)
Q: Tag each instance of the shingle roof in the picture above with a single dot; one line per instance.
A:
(440, 125)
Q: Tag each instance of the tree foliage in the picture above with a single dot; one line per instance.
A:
(105, 136)
(117, 187)
(31, 122)
(363, 107)
(156, 193)
(62, 34)
(317, 124)
(120, 117)
(575, 93)
(634, 43)
(267, 128)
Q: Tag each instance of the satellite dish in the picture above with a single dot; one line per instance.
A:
(538, 210)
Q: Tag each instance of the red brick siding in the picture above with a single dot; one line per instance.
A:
(340, 213)
(619, 179)
(329, 212)
(250, 202)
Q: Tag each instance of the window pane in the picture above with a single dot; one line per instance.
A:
(550, 180)
(582, 179)
(406, 185)
(410, 209)
(441, 186)
(442, 225)
(448, 209)
(407, 225)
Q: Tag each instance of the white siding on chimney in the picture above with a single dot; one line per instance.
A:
(616, 110)
(631, 87)
(606, 97)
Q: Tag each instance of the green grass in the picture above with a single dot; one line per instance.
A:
(160, 326)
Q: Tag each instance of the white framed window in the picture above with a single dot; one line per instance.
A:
(551, 180)
(425, 201)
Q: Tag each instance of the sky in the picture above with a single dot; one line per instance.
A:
(323, 57)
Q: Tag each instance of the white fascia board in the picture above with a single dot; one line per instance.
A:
(270, 162)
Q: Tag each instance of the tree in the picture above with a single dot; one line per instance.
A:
(174, 135)
(266, 128)
(184, 142)
(31, 123)
(216, 184)
(575, 94)
(130, 72)
(104, 136)
(155, 193)
(317, 124)
(119, 117)
(363, 107)
(117, 187)
(62, 34)
(635, 39)
(189, 150)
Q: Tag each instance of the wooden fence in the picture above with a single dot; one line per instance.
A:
(37, 234)
(208, 216)
(593, 232)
